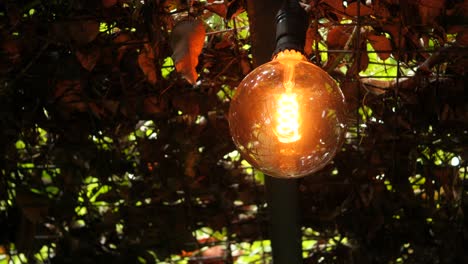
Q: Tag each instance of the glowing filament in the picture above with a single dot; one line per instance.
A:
(287, 118)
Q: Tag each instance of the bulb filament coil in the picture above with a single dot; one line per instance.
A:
(287, 109)
(287, 118)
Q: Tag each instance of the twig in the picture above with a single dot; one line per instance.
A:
(440, 56)
(226, 30)
(334, 64)
(225, 68)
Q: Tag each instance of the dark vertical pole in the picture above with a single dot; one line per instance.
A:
(262, 19)
(282, 194)
(285, 227)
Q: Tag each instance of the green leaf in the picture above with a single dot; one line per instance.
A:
(20, 144)
(167, 67)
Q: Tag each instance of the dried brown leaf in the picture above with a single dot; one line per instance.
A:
(217, 7)
(245, 65)
(97, 110)
(462, 38)
(153, 105)
(122, 39)
(380, 10)
(364, 63)
(190, 163)
(312, 36)
(108, 3)
(235, 8)
(88, 58)
(352, 9)
(175, 4)
(350, 90)
(376, 87)
(69, 94)
(189, 103)
(394, 32)
(337, 5)
(111, 106)
(83, 32)
(381, 45)
(11, 50)
(226, 42)
(338, 37)
(429, 10)
(447, 178)
(35, 207)
(146, 63)
(359, 65)
(187, 40)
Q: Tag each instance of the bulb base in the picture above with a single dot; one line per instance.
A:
(291, 27)
(289, 54)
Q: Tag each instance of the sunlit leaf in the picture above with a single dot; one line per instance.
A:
(187, 40)
(167, 67)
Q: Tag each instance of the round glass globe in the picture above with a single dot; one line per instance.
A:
(287, 117)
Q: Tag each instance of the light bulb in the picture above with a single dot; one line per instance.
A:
(287, 117)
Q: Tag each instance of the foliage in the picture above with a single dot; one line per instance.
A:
(115, 144)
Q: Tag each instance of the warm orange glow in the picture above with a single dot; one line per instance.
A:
(287, 112)
(287, 118)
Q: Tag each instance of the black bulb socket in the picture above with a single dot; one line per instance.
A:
(291, 27)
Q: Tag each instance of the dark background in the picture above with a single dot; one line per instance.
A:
(110, 154)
